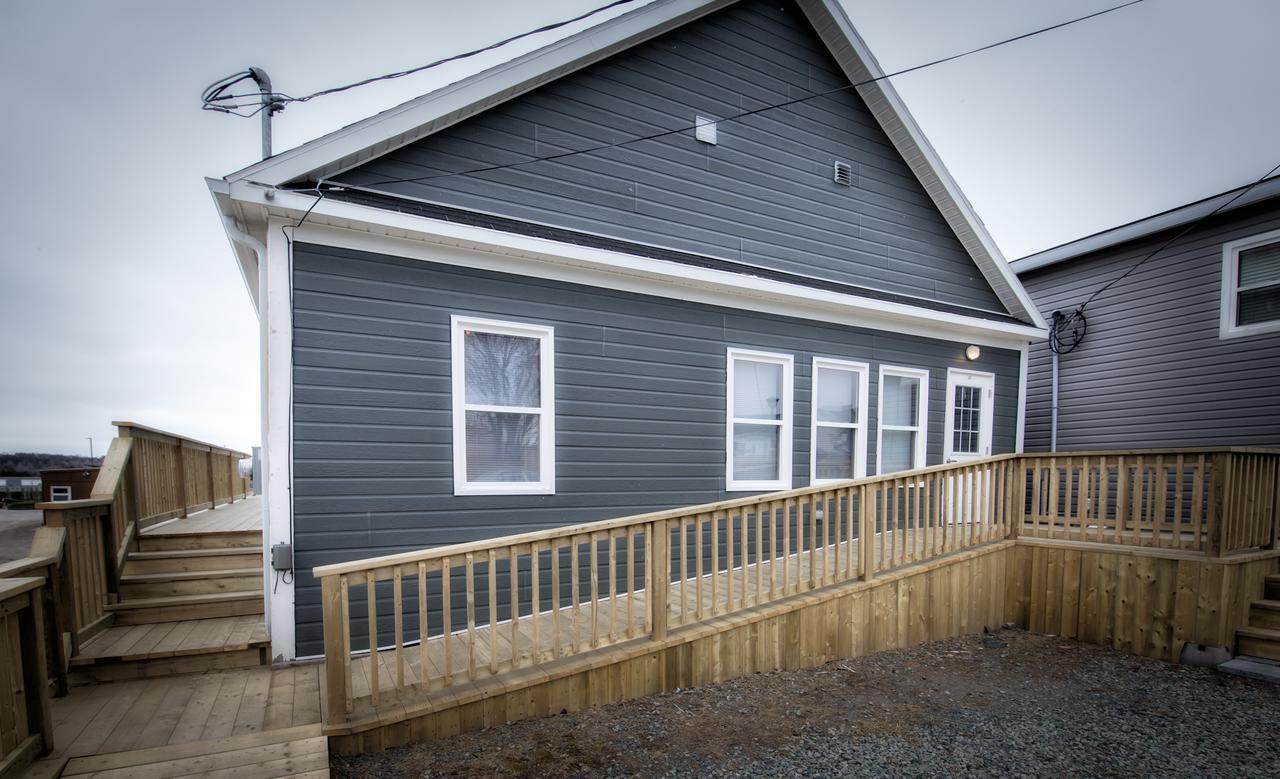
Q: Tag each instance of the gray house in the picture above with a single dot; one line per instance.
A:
(694, 252)
(1182, 351)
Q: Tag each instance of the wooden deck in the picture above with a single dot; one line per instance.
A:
(580, 627)
(243, 515)
(173, 639)
(124, 716)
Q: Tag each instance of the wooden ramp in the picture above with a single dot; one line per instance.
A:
(291, 752)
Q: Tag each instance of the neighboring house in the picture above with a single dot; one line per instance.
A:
(61, 484)
(1185, 350)
(20, 488)
(774, 301)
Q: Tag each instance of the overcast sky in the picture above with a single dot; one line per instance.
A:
(120, 296)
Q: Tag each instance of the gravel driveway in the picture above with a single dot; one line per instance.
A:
(1039, 706)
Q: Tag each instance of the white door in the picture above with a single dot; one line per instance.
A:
(970, 399)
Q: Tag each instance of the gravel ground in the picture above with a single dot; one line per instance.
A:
(1038, 706)
(16, 530)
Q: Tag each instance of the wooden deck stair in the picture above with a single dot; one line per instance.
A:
(1261, 637)
(190, 602)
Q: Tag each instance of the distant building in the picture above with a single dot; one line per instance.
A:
(67, 483)
(20, 488)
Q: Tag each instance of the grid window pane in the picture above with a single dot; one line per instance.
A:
(898, 452)
(835, 453)
(502, 370)
(1260, 265)
(757, 390)
(966, 419)
(901, 400)
(502, 447)
(755, 452)
(837, 395)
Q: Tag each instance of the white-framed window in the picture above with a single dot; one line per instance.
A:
(838, 427)
(902, 411)
(59, 494)
(503, 408)
(1250, 286)
(758, 434)
(969, 416)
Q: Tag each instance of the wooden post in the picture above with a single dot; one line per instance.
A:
(659, 577)
(866, 531)
(213, 489)
(1218, 503)
(182, 481)
(1015, 495)
(336, 652)
(34, 670)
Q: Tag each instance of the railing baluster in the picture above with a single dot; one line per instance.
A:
(697, 550)
(397, 600)
(371, 599)
(715, 563)
(514, 606)
(470, 572)
(612, 541)
(576, 614)
(446, 617)
(424, 670)
(493, 610)
(631, 579)
(683, 567)
(535, 598)
(557, 645)
(759, 555)
(728, 560)
(594, 540)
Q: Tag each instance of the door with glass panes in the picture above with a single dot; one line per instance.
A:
(970, 399)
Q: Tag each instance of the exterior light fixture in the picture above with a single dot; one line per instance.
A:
(972, 352)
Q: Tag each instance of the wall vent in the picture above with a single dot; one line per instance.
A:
(704, 129)
(843, 174)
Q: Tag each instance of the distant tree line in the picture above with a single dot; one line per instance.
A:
(31, 463)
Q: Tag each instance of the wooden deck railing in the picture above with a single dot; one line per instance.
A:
(26, 718)
(506, 603)
(1215, 501)
(147, 476)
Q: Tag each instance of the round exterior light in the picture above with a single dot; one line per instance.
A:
(972, 352)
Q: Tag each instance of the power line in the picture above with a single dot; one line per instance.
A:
(744, 114)
(1186, 229)
(214, 98)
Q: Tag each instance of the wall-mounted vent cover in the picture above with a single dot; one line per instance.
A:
(843, 174)
(704, 129)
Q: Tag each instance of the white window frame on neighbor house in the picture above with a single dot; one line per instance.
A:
(59, 494)
(922, 416)
(783, 482)
(546, 484)
(1227, 327)
(986, 382)
(863, 371)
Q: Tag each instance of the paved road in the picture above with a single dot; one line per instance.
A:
(16, 530)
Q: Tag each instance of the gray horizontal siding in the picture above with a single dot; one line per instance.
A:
(1152, 370)
(762, 196)
(640, 403)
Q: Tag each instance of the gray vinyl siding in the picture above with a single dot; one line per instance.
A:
(1152, 370)
(640, 403)
(762, 196)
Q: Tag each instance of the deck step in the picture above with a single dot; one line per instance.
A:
(299, 751)
(144, 611)
(158, 542)
(1265, 614)
(1273, 586)
(124, 652)
(192, 560)
(1259, 668)
(1258, 642)
(174, 583)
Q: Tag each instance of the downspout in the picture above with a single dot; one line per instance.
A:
(249, 242)
(1053, 404)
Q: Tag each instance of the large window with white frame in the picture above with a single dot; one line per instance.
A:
(902, 410)
(1250, 286)
(503, 407)
(838, 432)
(758, 450)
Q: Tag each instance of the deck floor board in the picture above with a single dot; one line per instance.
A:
(243, 515)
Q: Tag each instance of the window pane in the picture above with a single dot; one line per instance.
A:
(837, 395)
(755, 452)
(502, 370)
(901, 400)
(1259, 305)
(966, 416)
(757, 390)
(1260, 264)
(835, 453)
(899, 450)
(502, 447)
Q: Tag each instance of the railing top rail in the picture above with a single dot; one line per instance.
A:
(435, 553)
(11, 587)
(126, 428)
(68, 505)
(1143, 452)
(112, 468)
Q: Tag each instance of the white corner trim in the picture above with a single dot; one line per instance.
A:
(546, 483)
(784, 425)
(863, 372)
(364, 228)
(1230, 287)
(922, 415)
(276, 317)
(1019, 443)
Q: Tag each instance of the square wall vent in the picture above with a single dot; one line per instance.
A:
(843, 174)
(704, 129)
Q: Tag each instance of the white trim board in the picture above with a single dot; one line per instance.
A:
(363, 228)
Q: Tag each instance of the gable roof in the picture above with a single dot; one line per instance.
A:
(1225, 202)
(354, 144)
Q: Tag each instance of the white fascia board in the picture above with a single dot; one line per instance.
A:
(365, 228)
(837, 31)
(422, 116)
